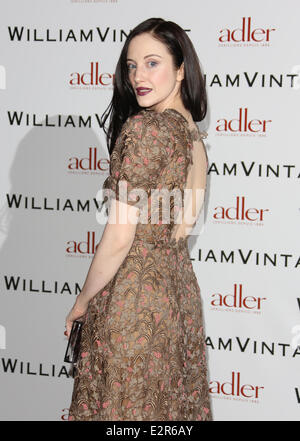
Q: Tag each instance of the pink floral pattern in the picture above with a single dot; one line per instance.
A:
(143, 354)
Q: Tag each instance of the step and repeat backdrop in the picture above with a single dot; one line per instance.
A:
(57, 63)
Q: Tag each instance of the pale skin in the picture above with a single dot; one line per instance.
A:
(149, 65)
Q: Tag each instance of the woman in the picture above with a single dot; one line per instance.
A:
(142, 354)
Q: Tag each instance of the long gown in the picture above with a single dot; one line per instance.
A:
(143, 353)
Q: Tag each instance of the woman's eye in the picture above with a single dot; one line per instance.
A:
(151, 63)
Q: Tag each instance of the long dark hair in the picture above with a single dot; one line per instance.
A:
(193, 93)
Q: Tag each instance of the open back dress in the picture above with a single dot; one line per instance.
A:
(143, 354)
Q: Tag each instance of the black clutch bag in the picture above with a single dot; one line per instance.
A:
(72, 351)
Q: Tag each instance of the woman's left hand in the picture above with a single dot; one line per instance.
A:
(78, 311)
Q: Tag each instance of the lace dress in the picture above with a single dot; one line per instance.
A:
(143, 354)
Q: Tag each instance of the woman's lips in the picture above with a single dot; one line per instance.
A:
(143, 91)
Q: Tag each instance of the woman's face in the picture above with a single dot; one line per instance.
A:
(150, 66)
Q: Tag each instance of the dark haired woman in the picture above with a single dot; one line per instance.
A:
(143, 354)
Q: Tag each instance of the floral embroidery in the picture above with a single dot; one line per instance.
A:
(145, 359)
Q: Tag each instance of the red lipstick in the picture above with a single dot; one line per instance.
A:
(143, 90)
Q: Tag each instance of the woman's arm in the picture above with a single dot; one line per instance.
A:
(115, 243)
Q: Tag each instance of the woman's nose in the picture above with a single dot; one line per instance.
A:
(139, 73)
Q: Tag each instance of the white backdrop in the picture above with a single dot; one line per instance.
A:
(54, 160)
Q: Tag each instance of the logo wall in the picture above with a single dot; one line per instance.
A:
(238, 301)
(240, 213)
(236, 389)
(93, 78)
(246, 35)
(91, 163)
(245, 149)
(242, 125)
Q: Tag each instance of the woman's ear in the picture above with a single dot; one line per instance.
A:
(180, 72)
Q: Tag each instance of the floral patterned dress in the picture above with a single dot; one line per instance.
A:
(143, 353)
